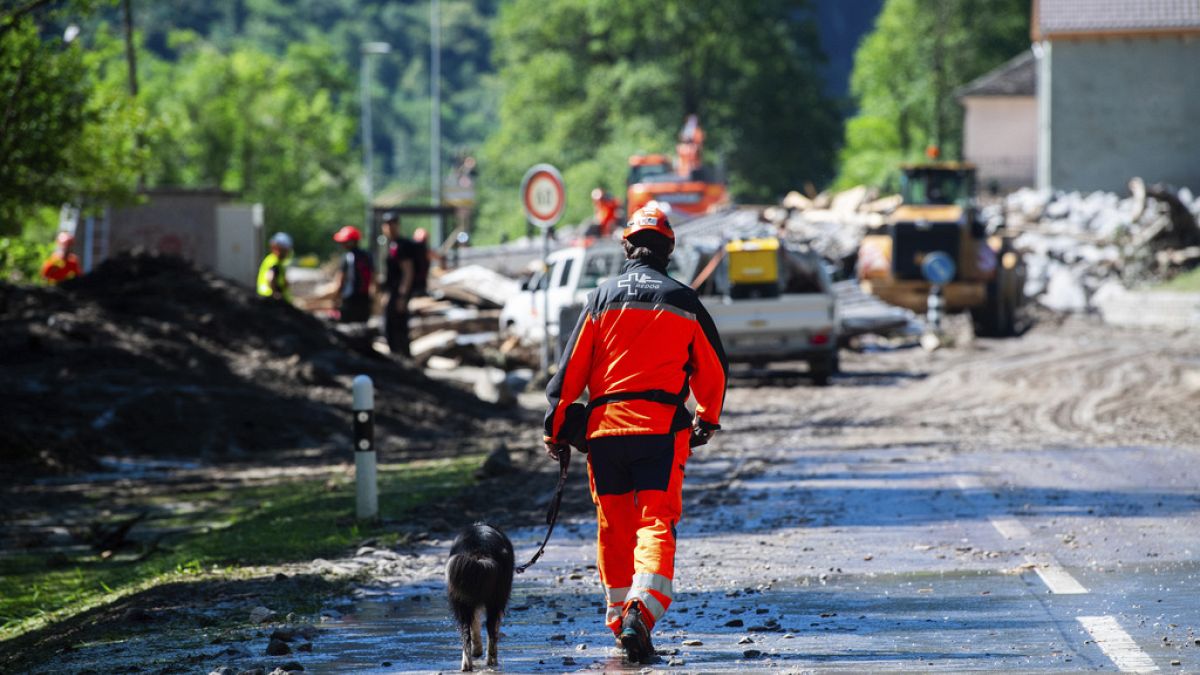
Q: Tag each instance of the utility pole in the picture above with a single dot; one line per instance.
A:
(435, 119)
(367, 50)
(131, 59)
(939, 74)
(130, 53)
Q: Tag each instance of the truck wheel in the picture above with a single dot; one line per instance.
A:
(823, 369)
(997, 316)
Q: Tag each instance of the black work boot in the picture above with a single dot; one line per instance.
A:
(635, 636)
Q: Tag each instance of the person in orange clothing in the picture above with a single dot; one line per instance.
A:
(642, 345)
(62, 264)
(690, 146)
(605, 208)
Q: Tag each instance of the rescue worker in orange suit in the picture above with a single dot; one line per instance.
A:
(62, 263)
(604, 208)
(643, 343)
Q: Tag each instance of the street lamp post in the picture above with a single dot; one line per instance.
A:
(435, 117)
(367, 50)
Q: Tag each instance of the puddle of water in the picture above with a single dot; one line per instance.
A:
(945, 622)
(410, 630)
(124, 468)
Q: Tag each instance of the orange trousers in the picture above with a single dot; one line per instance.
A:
(637, 486)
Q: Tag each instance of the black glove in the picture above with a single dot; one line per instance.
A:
(554, 448)
(702, 431)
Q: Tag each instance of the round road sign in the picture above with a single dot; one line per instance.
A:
(543, 195)
(938, 268)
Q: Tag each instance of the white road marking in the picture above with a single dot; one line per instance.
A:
(1056, 578)
(1117, 644)
(1008, 527)
(969, 482)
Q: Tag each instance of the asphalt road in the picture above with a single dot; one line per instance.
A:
(1022, 505)
(1016, 505)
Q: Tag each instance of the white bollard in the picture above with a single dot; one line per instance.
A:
(932, 339)
(366, 485)
(934, 309)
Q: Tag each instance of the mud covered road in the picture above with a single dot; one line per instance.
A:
(1028, 504)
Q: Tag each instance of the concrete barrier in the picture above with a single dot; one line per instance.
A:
(1150, 308)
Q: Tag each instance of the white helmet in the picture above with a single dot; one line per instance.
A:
(282, 240)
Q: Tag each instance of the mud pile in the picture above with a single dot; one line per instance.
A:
(149, 356)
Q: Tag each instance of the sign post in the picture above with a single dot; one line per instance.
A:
(544, 199)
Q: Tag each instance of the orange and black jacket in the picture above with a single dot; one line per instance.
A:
(642, 344)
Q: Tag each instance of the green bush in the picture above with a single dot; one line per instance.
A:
(21, 260)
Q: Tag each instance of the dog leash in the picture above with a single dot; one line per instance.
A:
(564, 462)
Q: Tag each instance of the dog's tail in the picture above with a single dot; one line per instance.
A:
(472, 580)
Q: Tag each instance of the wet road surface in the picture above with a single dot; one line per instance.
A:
(803, 553)
(1022, 505)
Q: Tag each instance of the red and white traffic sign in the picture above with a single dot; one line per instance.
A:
(543, 195)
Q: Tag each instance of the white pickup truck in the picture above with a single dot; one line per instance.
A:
(792, 318)
(572, 273)
(797, 322)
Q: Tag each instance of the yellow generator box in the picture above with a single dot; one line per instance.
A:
(753, 261)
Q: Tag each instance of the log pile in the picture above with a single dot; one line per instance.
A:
(459, 321)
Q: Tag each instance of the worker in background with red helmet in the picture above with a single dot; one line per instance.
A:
(605, 208)
(354, 278)
(643, 344)
(62, 263)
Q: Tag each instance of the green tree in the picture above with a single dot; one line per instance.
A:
(400, 91)
(906, 72)
(586, 84)
(65, 135)
(279, 131)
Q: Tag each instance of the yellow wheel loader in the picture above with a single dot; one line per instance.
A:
(939, 213)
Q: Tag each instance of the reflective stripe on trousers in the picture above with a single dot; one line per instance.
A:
(637, 519)
(616, 602)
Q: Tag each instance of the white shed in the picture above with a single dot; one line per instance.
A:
(1000, 124)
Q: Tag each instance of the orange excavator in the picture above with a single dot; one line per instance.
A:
(685, 183)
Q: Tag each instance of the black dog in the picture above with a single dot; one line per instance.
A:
(479, 578)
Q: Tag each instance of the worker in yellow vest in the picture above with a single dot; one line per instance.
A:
(272, 274)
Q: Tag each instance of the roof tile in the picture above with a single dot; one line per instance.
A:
(1018, 77)
(1099, 16)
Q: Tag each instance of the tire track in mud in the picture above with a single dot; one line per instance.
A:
(1058, 384)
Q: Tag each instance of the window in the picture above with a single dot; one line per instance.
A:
(564, 271)
(597, 269)
(650, 173)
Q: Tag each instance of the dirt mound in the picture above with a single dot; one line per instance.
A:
(150, 356)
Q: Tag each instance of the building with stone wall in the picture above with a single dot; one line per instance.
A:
(1118, 92)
